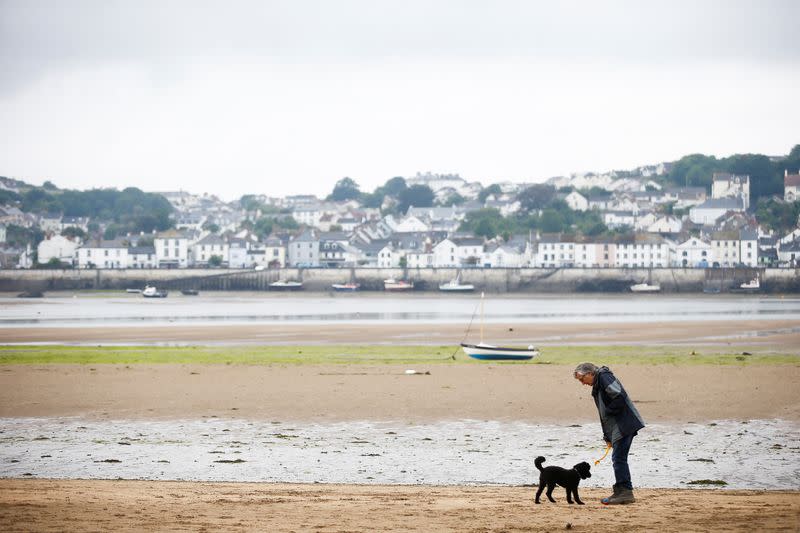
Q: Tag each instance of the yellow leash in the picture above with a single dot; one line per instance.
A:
(608, 449)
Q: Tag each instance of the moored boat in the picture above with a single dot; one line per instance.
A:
(190, 292)
(392, 284)
(455, 285)
(346, 287)
(490, 352)
(754, 285)
(151, 292)
(499, 353)
(289, 285)
(645, 287)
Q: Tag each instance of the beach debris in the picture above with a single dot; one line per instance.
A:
(707, 482)
(231, 461)
(411, 372)
(109, 461)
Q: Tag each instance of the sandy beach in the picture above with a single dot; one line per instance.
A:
(44, 505)
(333, 393)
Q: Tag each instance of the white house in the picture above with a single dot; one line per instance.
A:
(712, 209)
(731, 186)
(694, 252)
(309, 214)
(142, 257)
(387, 257)
(103, 254)
(210, 246)
(594, 254)
(553, 251)
(304, 250)
(3, 233)
(457, 252)
(419, 259)
(791, 186)
(410, 224)
(503, 256)
(666, 224)
(237, 253)
(643, 251)
(618, 219)
(57, 247)
(576, 201)
(732, 248)
(789, 253)
(172, 249)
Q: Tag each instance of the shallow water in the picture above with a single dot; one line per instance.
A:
(88, 309)
(759, 454)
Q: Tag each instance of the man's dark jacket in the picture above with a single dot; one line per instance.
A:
(618, 415)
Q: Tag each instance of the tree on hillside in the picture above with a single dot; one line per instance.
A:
(536, 197)
(345, 189)
(417, 196)
(493, 189)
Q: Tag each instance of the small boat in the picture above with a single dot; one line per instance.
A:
(498, 353)
(754, 285)
(289, 285)
(711, 290)
(392, 284)
(346, 287)
(190, 292)
(489, 352)
(645, 287)
(455, 285)
(152, 292)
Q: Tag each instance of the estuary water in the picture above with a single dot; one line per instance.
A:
(210, 308)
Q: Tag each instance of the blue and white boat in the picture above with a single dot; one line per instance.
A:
(490, 352)
(499, 353)
(346, 287)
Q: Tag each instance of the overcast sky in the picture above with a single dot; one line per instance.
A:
(287, 97)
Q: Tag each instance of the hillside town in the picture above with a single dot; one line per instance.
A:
(699, 230)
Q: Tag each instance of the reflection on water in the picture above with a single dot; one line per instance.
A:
(757, 454)
(216, 308)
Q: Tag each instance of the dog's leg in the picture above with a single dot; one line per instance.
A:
(550, 487)
(539, 492)
(569, 495)
(577, 498)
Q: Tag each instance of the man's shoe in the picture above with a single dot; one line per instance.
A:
(620, 497)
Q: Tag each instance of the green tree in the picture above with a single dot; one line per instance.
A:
(536, 197)
(493, 189)
(454, 199)
(345, 189)
(215, 261)
(73, 232)
(486, 223)
(417, 196)
(779, 216)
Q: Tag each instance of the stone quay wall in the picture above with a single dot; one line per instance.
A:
(497, 280)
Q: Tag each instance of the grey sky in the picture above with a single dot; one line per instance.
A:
(287, 97)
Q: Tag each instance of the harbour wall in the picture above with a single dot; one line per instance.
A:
(498, 280)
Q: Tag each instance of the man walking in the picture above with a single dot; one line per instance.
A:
(620, 422)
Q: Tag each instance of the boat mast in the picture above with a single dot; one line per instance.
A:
(481, 317)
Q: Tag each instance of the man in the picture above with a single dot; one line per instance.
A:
(620, 422)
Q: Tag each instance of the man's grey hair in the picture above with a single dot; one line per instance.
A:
(585, 368)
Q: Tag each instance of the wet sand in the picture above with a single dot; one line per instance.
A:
(330, 393)
(778, 334)
(45, 505)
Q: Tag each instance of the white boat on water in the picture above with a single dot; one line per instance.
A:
(346, 287)
(490, 352)
(392, 284)
(455, 285)
(645, 287)
(289, 285)
(151, 292)
(754, 285)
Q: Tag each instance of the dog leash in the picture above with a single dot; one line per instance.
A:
(608, 448)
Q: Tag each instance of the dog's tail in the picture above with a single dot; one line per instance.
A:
(538, 462)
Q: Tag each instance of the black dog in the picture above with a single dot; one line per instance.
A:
(555, 475)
